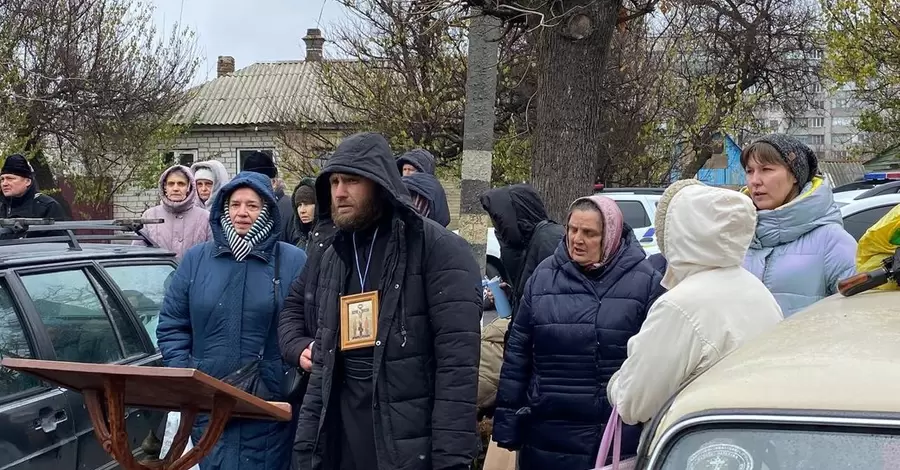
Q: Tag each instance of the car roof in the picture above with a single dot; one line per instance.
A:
(868, 203)
(839, 354)
(43, 253)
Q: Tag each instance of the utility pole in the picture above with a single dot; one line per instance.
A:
(478, 130)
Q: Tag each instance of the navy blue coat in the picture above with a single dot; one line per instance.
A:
(568, 338)
(216, 314)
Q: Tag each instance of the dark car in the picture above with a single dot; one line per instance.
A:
(64, 300)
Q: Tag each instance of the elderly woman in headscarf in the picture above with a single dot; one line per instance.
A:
(220, 314)
(185, 223)
(568, 338)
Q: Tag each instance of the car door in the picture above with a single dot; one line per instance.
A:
(857, 224)
(36, 425)
(86, 323)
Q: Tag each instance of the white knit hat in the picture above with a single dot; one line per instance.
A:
(204, 173)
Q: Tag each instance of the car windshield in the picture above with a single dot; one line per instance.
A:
(820, 448)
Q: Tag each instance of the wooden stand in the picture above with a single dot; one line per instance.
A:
(109, 389)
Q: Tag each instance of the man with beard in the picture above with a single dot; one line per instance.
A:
(407, 399)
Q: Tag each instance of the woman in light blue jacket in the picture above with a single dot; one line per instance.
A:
(800, 250)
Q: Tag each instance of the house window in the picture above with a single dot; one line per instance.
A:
(798, 122)
(816, 122)
(843, 121)
(774, 124)
(242, 155)
(818, 104)
(180, 157)
(817, 140)
(816, 88)
(817, 54)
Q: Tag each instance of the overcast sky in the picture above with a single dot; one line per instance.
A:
(248, 31)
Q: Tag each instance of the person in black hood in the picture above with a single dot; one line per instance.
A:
(303, 214)
(524, 230)
(416, 161)
(403, 395)
(428, 197)
(21, 198)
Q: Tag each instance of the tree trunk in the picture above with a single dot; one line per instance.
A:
(567, 143)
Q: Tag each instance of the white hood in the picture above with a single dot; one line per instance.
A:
(705, 228)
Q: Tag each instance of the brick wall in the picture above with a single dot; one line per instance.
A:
(218, 145)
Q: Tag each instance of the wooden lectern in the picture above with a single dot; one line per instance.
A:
(186, 390)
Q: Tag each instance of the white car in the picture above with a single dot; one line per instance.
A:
(861, 214)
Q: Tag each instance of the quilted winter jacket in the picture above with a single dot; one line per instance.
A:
(801, 250)
(712, 306)
(426, 352)
(566, 341)
(216, 316)
(185, 224)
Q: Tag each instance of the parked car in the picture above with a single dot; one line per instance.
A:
(64, 300)
(817, 392)
(862, 214)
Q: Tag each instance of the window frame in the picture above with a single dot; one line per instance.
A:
(31, 336)
(120, 298)
(89, 269)
(164, 155)
(643, 208)
(865, 211)
(240, 162)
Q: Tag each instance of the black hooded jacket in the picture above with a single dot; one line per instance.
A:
(426, 353)
(296, 232)
(430, 188)
(421, 159)
(32, 204)
(526, 234)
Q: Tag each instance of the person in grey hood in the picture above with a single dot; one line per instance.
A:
(428, 197)
(210, 176)
(396, 389)
(416, 161)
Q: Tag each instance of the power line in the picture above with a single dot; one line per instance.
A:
(321, 10)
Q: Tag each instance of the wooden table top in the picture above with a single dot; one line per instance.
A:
(162, 388)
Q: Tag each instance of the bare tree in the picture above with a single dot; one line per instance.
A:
(89, 86)
(733, 58)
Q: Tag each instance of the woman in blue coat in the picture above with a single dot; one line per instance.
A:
(569, 337)
(221, 308)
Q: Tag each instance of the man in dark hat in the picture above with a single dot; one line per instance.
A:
(21, 198)
(263, 163)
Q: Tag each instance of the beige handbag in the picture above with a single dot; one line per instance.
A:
(499, 459)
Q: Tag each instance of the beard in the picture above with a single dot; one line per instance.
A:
(366, 215)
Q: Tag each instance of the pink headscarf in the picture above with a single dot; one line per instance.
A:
(613, 221)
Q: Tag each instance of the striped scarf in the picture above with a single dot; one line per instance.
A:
(259, 231)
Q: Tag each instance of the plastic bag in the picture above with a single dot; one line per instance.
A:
(612, 441)
(172, 422)
(879, 242)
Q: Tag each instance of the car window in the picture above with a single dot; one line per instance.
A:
(13, 343)
(144, 286)
(820, 448)
(634, 213)
(76, 319)
(858, 223)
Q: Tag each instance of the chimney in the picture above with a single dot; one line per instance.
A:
(315, 44)
(225, 66)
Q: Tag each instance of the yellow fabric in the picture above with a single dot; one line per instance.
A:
(876, 245)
